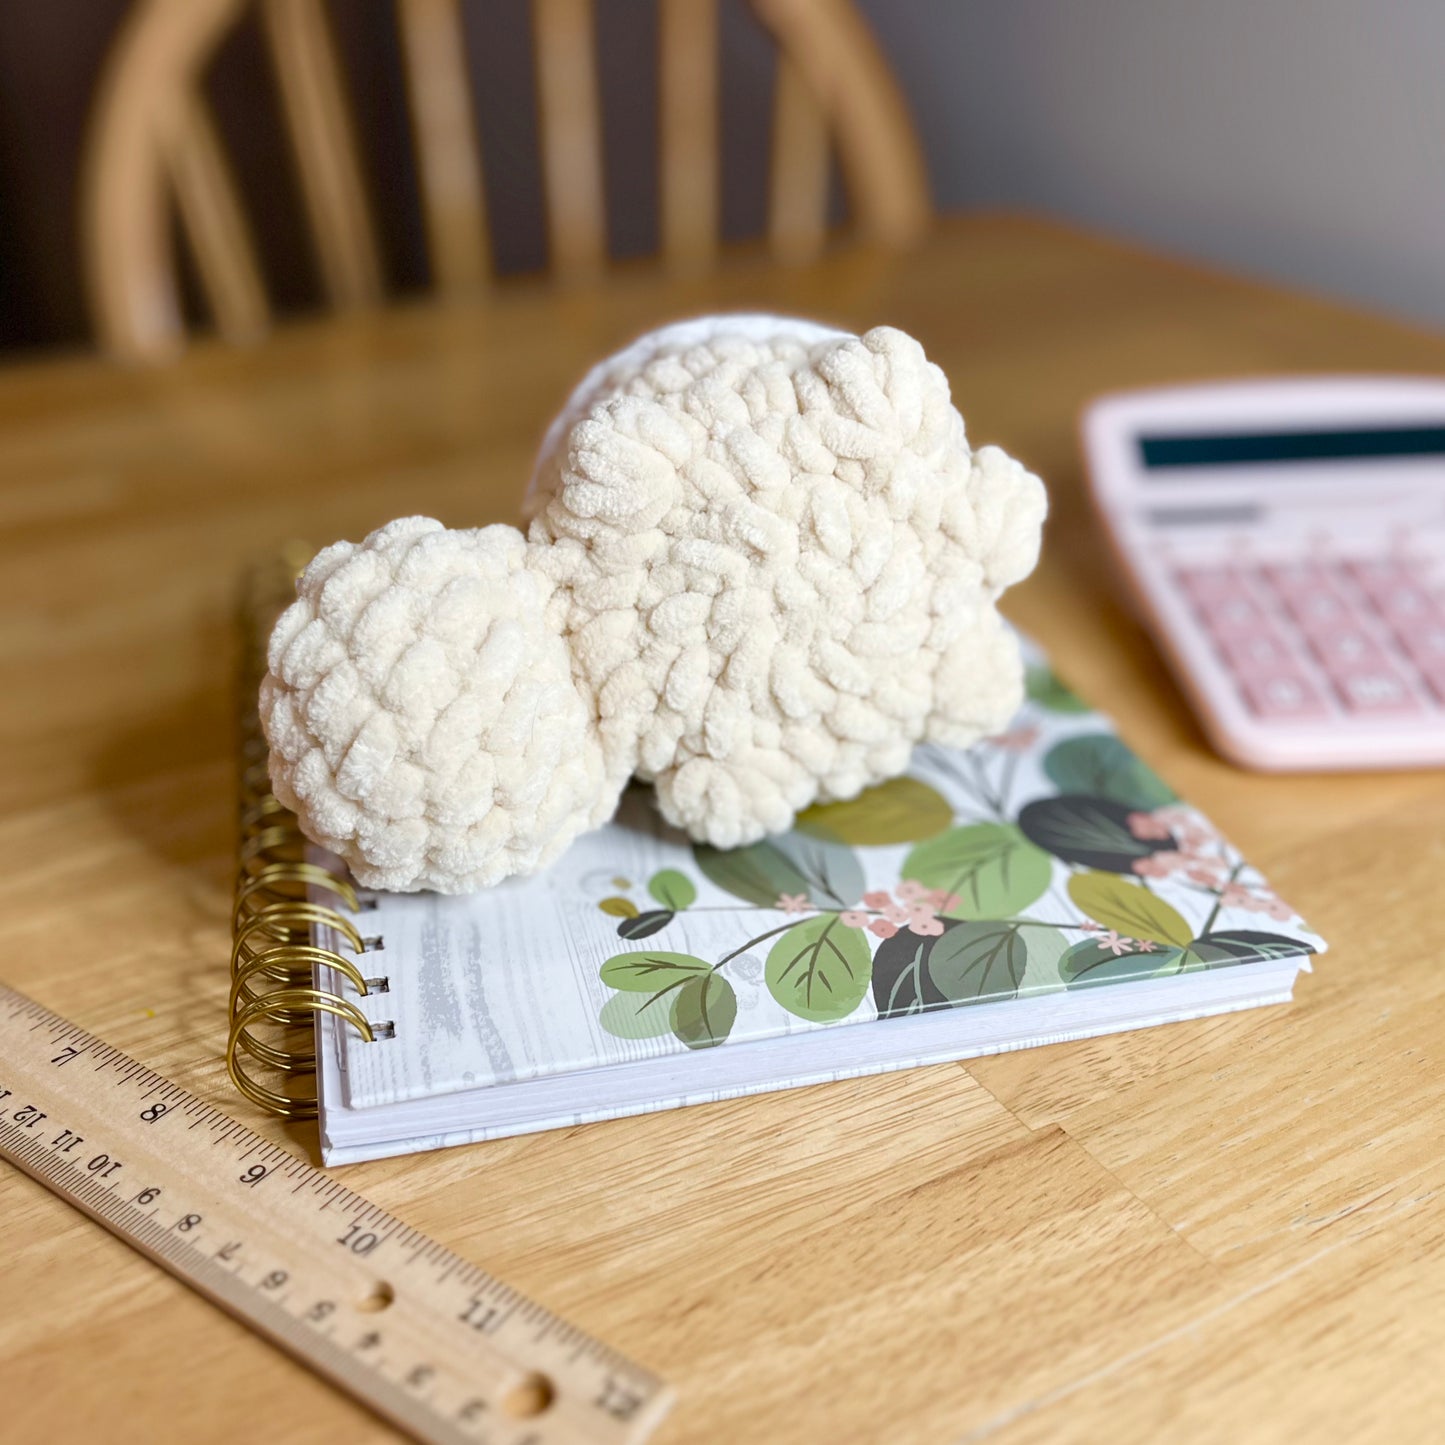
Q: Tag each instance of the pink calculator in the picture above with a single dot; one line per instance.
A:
(1286, 541)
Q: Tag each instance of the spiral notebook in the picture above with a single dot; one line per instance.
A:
(1044, 885)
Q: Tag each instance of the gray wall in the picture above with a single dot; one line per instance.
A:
(1302, 140)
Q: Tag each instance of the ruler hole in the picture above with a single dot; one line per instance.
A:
(528, 1397)
(382, 1295)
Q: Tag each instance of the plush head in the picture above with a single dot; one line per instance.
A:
(763, 564)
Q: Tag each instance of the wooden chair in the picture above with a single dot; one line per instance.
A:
(153, 141)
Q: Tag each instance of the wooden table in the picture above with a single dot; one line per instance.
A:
(1219, 1231)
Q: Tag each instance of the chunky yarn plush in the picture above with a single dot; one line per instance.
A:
(763, 564)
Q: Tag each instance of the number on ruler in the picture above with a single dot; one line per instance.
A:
(65, 1141)
(254, 1175)
(65, 1055)
(156, 1111)
(275, 1279)
(148, 1195)
(4, 1093)
(320, 1310)
(357, 1241)
(479, 1315)
(617, 1400)
(187, 1222)
(29, 1115)
(103, 1165)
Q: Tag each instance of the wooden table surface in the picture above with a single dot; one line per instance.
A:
(1227, 1230)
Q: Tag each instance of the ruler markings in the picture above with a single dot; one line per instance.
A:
(435, 1357)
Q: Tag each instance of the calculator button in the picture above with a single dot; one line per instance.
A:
(1285, 695)
(1232, 616)
(1376, 690)
(1320, 611)
(1209, 584)
(1404, 603)
(1424, 644)
(1254, 653)
(1434, 674)
(1350, 648)
(1376, 573)
(1293, 579)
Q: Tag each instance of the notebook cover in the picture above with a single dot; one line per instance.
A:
(1048, 858)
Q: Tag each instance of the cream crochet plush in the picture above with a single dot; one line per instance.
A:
(763, 564)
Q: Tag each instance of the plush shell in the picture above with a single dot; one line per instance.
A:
(763, 565)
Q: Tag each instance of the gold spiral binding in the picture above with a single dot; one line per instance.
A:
(275, 958)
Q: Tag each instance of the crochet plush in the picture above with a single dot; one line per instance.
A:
(762, 564)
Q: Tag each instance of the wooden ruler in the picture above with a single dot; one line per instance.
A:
(426, 1339)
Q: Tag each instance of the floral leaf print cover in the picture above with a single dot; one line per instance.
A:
(1050, 858)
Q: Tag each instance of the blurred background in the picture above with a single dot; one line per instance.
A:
(1297, 140)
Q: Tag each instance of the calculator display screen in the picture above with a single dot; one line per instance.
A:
(1183, 452)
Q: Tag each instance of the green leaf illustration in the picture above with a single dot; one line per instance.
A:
(1043, 686)
(901, 810)
(637, 1015)
(824, 872)
(901, 984)
(647, 972)
(672, 889)
(644, 925)
(1046, 947)
(1090, 962)
(993, 868)
(978, 961)
(1128, 908)
(619, 907)
(704, 1010)
(1092, 832)
(819, 969)
(1101, 766)
(1244, 945)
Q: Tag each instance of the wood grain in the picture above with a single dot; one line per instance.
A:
(444, 129)
(687, 44)
(152, 141)
(1228, 1230)
(318, 117)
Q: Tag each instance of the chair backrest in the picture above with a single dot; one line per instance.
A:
(154, 144)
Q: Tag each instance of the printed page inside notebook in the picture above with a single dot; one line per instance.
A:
(1048, 858)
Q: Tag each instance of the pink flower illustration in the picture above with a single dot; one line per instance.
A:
(1278, 910)
(793, 902)
(1144, 945)
(1157, 865)
(943, 901)
(1016, 740)
(883, 928)
(852, 918)
(1205, 872)
(896, 913)
(878, 898)
(1109, 938)
(910, 890)
(1236, 895)
(925, 925)
(1146, 825)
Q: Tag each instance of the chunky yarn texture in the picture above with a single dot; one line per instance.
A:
(763, 564)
